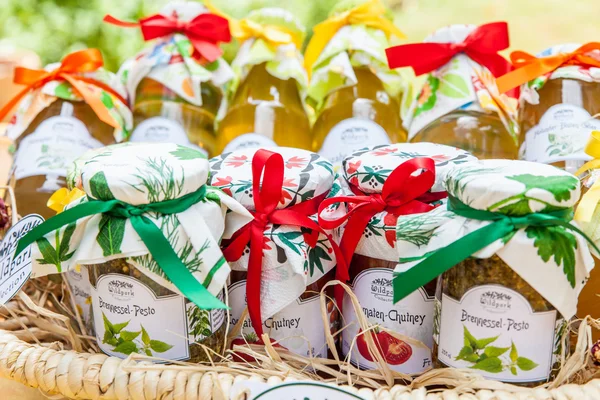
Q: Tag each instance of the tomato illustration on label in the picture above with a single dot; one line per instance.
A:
(393, 350)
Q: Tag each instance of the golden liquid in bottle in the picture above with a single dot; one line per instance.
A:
(153, 99)
(483, 135)
(32, 193)
(366, 100)
(560, 91)
(267, 106)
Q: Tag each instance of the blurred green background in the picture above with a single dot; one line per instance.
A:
(53, 28)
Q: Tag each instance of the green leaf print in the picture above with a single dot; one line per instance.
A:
(490, 364)
(128, 342)
(427, 97)
(129, 336)
(145, 337)
(63, 90)
(99, 187)
(525, 364)
(513, 352)
(454, 86)
(57, 254)
(493, 351)
(48, 253)
(520, 207)
(187, 153)
(555, 242)
(126, 348)
(110, 234)
(315, 255)
(159, 347)
(107, 100)
(559, 186)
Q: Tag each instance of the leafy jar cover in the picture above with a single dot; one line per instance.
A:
(511, 263)
(282, 260)
(380, 184)
(148, 232)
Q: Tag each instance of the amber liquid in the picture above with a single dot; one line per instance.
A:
(32, 193)
(559, 91)
(589, 302)
(267, 106)
(483, 135)
(367, 99)
(153, 99)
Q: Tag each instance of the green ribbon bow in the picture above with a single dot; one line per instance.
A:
(443, 259)
(158, 246)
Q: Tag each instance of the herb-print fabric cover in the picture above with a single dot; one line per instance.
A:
(37, 100)
(556, 262)
(461, 84)
(368, 169)
(170, 62)
(289, 263)
(141, 174)
(583, 73)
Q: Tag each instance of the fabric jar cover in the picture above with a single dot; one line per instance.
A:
(367, 170)
(37, 100)
(460, 84)
(289, 264)
(554, 260)
(355, 46)
(139, 174)
(529, 91)
(170, 61)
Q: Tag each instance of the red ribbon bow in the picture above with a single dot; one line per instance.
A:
(269, 166)
(205, 31)
(402, 193)
(482, 46)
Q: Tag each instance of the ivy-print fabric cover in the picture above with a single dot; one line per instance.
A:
(356, 46)
(283, 61)
(461, 84)
(289, 263)
(169, 61)
(529, 91)
(141, 174)
(556, 262)
(368, 169)
(37, 100)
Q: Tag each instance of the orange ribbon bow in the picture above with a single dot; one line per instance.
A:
(70, 69)
(529, 67)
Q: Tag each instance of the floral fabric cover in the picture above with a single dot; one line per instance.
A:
(289, 263)
(170, 62)
(141, 174)
(556, 262)
(368, 169)
(37, 100)
(529, 91)
(461, 84)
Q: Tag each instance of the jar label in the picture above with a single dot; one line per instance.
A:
(560, 135)
(130, 318)
(52, 147)
(79, 283)
(493, 330)
(249, 141)
(163, 130)
(294, 327)
(203, 323)
(413, 317)
(350, 135)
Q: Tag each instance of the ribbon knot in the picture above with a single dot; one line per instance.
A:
(71, 69)
(126, 211)
(481, 45)
(205, 31)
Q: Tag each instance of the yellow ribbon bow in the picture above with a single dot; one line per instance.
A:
(370, 14)
(589, 201)
(63, 197)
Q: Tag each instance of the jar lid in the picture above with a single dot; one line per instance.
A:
(183, 10)
(144, 173)
(513, 187)
(367, 169)
(450, 34)
(306, 175)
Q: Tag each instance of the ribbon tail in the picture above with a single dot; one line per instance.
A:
(254, 278)
(114, 21)
(522, 75)
(442, 260)
(94, 101)
(210, 51)
(162, 251)
(13, 102)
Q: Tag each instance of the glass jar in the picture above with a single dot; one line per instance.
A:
(295, 263)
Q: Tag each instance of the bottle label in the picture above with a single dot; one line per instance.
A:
(493, 330)
(52, 147)
(163, 130)
(560, 135)
(79, 282)
(412, 317)
(350, 135)
(203, 323)
(294, 327)
(249, 141)
(130, 318)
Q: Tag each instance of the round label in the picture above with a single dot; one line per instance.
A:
(249, 141)
(412, 317)
(350, 135)
(162, 130)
